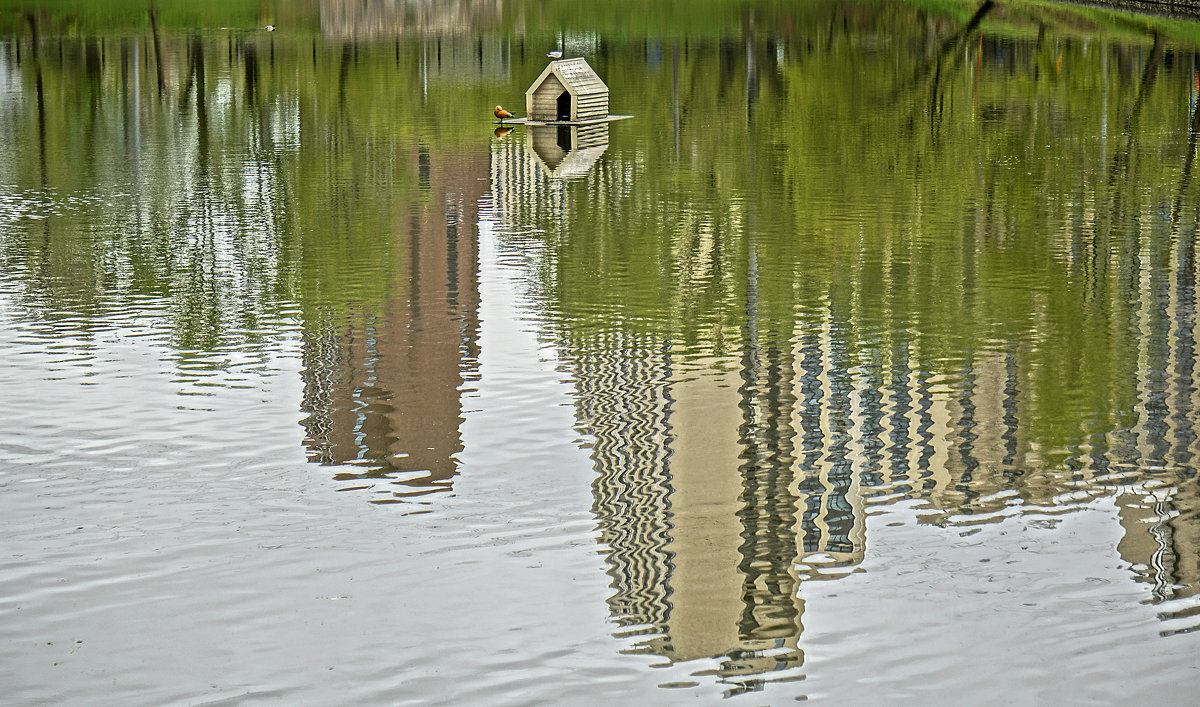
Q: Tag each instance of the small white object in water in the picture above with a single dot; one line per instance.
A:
(554, 54)
(269, 28)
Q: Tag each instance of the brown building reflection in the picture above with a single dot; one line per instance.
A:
(382, 392)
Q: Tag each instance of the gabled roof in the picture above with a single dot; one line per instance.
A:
(575, 75)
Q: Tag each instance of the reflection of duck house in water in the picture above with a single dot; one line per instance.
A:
(567, 151)
(568, 91)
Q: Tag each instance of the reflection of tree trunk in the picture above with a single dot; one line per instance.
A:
(970, 27)
(1120, 162)
(949, 45)
(250, 56)
(158, 63)
(1125, 63)
(41, 101)
(832, 25)
(92, 71)
(1188, 163)
(675, 93)
(135, 117)
(751, 66)
(198, 75)
(1118, 175)
(1149, 75)
(203, 262)
(343, 71)
(185, 93)
(202, 147)
(934, 64)
(954, 42)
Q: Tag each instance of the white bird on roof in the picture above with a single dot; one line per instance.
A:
(556, 54)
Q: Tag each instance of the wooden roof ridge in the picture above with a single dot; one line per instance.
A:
(576, 75)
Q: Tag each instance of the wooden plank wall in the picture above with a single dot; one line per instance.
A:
(543, 104)
(591, 106)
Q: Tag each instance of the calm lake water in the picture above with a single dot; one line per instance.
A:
(861, 364)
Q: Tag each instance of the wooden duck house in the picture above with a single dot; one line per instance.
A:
(568, 91)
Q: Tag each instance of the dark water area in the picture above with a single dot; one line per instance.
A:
(861, 363)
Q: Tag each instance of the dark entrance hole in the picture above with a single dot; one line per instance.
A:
(564, 106)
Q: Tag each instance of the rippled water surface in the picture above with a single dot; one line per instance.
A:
(860, 364)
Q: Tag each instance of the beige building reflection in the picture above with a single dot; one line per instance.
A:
(1160, 511)
(383, 392)
(718, 493)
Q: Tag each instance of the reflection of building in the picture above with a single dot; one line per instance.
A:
(1162, 539)
(762, 469)
(374, 19)
(1160, 507)
(382, 391)
(770, 463)
(708, 509)
(705, 534)
(624, 405)
(455, 46)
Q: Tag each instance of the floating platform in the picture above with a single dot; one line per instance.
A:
(594, 121)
